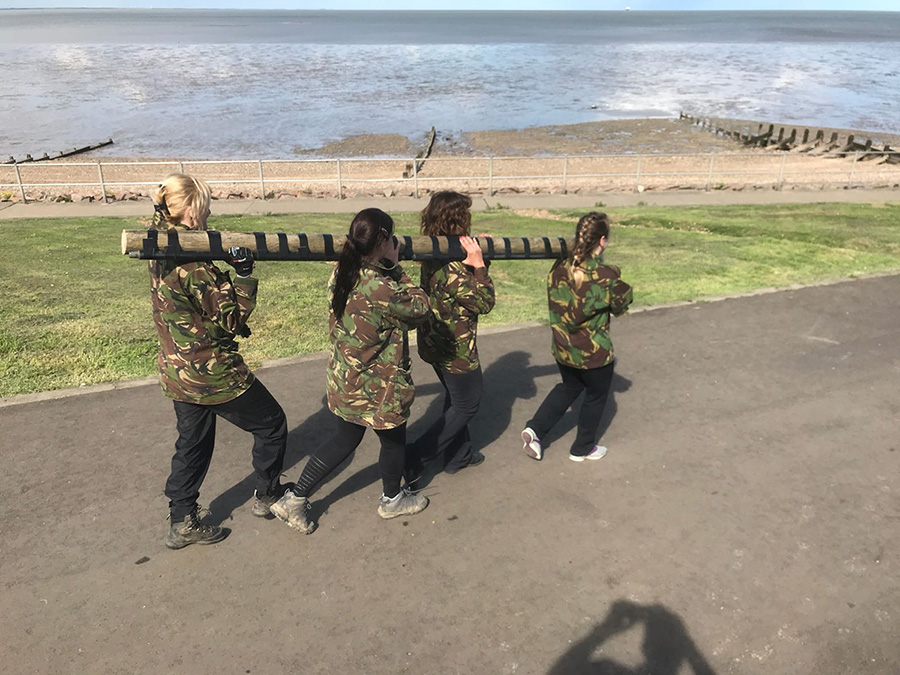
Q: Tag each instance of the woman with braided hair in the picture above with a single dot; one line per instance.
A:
(582, 292)
(368, 383)
(198, 311)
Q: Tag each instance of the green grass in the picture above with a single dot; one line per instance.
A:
(74, 311)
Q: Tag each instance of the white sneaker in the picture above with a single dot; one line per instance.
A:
(599, 452)
(532, 443)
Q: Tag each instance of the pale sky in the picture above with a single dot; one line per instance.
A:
(873, 5)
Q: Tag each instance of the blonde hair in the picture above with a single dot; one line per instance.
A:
(591, 228)
(175, 195)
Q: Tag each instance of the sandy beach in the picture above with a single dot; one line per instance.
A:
(614, 156)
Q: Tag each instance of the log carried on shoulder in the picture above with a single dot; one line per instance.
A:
(187, 245)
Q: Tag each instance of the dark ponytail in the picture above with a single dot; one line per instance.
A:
(369, 228)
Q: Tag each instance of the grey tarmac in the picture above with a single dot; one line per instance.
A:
(745, 521)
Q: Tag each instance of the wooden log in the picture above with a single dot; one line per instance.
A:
(178, 244)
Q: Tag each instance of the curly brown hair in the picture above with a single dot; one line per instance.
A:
(447, 213)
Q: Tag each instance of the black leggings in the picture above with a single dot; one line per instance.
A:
(346, 438)
(449, 434)
(595, 382)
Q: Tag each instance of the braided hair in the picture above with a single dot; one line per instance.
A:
(591, 228)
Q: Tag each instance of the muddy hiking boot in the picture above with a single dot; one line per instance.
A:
(192, 531)
(404, 503)
(294, 511)
(262, 504)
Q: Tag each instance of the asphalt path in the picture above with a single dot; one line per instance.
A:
(746, 519)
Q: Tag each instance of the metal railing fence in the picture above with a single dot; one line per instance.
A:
(705, 171)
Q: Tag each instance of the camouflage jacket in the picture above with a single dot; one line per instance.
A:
(580, 310)
(198, 312)
(458, 295)
(368, 378)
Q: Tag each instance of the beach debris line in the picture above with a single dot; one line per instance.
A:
(797, 139)
(420, 158)
(212, 245)
(60, 154)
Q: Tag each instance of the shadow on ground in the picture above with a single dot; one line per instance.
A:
(506, 380)
(666, 648)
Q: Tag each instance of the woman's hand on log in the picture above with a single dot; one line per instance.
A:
(474, 258)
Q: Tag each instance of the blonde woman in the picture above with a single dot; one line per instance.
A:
(582, 293)
(199, 311)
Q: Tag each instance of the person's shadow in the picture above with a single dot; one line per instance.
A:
(666, 647)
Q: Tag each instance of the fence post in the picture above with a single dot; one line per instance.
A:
(853, 168)
(709, 174)
(637, 175)
(21, 187)
(491, 176)
(415, 179)
(340, 182)
(180, 167)
(566, 175)
(262, 182)
(781, 171)
(102, 182)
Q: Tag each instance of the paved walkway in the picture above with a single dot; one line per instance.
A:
(407, 204)
(744, 522)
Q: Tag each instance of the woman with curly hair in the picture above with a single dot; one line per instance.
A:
(459, 291)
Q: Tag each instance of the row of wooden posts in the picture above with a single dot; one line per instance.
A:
(796, 139)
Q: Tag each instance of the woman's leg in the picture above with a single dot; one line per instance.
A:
(448, 436)
(391, 460)
(557, 401)
(395, 501)
(328, 456)
(597, 382)
(257, 412)
(196, 425)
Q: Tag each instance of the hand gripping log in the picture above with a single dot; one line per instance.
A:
(189, 245)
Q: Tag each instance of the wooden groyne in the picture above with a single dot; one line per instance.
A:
(420, 158)
(808, 140)
(60, 154)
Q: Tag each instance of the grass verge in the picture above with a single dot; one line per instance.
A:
(75, 311)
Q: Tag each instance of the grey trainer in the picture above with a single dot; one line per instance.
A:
(404, 503)
(294, 511)
(192, 531)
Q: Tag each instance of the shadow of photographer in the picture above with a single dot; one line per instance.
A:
(667, 647)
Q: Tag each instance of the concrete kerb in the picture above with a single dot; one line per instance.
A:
(24, 399)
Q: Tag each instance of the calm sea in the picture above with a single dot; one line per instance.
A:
(260, 84)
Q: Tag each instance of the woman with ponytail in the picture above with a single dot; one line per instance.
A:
(582, 293)
(199, 311)
(373, 305)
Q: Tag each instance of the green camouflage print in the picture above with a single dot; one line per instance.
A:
(368, 378)
(198, 311)
(458, 296)
(580, 310)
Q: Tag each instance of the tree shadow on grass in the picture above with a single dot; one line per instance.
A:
(667, 647)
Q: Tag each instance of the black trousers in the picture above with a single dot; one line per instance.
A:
(595, 384)
(345, 439)
(256, 411)
(449, 435)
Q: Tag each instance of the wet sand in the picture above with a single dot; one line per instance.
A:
(614, 156)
